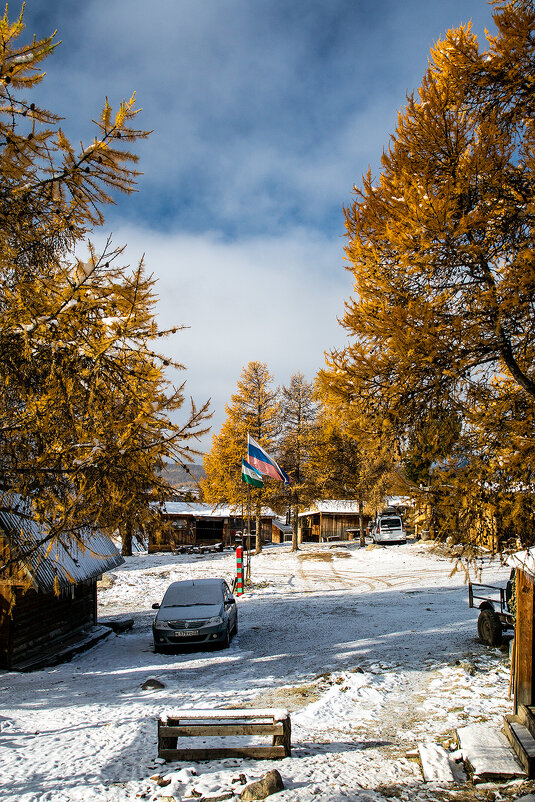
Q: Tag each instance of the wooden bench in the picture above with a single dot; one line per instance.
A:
(214, 723)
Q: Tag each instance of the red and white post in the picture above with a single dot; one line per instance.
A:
(239, 571)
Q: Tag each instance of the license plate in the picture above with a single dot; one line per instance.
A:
(186, 633)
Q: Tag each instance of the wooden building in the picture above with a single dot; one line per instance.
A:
(520, 725)
(281, 532)
(49, 598)
(330, 520)
(195, 524)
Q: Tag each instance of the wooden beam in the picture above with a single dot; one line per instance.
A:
(257, 752)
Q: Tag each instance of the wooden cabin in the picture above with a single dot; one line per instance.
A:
(330, 520)
(194, 524)
(281, 532)
(520, 725)
(48, 594)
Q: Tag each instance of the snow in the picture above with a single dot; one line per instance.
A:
(373, 650)
(524, 560)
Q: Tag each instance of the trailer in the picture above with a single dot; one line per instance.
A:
(495, 604)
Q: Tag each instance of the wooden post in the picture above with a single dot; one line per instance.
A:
(286, 738)
(239, 571)
(258, 538)
(294, 513)
(524, 692)
(362, 541)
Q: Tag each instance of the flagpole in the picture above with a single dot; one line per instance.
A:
(248, 572)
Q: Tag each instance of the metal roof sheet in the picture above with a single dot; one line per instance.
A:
(333, 506)
(199, 510)
(63, 562)
(284, 527)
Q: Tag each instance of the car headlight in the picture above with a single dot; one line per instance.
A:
(216, 620)
(161, 625)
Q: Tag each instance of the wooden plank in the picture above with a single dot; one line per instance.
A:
(522, 742)
(436, 766)
(167, 731)
(487, 753)
(277, 714)
(526, 716)
(257, 752)
(524, 639)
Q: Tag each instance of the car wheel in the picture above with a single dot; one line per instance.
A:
(489, 628)
(225, 643)
(235, 630)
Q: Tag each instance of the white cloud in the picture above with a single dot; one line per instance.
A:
(275, 300)
(265, 114)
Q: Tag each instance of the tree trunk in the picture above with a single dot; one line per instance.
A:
(258, 544)
(295, 526)
(126, 540)
(361, 524)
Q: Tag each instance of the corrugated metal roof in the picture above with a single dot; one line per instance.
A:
(206, 510)
(333, 506)
(284, 527)
(55, 563)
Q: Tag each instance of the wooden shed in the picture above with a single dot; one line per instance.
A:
(195, 524)
(49, 598)
(281, 532)
(520, 725)
(330, 520)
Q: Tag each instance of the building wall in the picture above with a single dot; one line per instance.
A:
(31, 621)
(189, 530)
(277, 536)
(524, 640)
(325, 526)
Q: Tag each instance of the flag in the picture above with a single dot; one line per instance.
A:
(251, 475)
(263, 462)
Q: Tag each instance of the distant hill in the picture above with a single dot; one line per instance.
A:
(178, 477)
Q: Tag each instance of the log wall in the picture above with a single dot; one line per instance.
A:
(32, 622)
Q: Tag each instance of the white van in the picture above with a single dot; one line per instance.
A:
(388, 528)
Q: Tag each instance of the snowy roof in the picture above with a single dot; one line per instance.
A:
(284, 527)
(524, 560)
(333, 506)
(53, 563)
(397, 501)
(198, 510)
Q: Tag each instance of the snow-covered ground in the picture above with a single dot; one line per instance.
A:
(373, 651)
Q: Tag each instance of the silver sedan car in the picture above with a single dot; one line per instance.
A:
(195, 611)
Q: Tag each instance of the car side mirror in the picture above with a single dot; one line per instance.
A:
(156, 606)
(232, 600)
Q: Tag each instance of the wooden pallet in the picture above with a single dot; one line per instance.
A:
(216, 723)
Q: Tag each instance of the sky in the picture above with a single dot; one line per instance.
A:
(265, 114)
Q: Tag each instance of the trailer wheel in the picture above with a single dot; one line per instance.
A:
(489, 628)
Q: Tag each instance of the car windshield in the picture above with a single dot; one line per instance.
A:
(390, 523)
(192, 595)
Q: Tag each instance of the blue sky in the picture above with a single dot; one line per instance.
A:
(265, 113)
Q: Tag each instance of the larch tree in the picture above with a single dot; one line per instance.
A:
(84, 403)
(346, 463)
(254, 409)
(298, 415)
(441, 245)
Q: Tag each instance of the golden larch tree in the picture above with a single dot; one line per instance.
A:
(84, 403)
(254, 410)
(441, 245)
